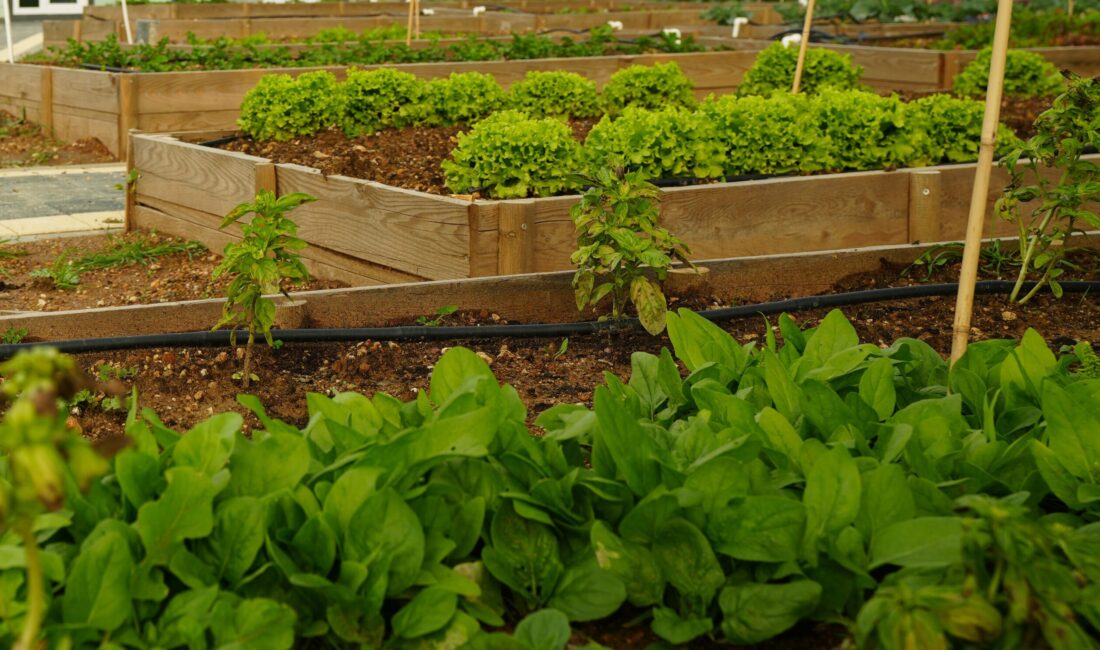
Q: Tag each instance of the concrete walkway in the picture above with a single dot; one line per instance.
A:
(26, 33)
(61, 201)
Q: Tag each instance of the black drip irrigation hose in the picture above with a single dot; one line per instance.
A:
(536, 330)
(217, 142)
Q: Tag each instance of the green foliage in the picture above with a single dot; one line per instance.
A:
(1031, 27)
(512, 155)
(1027, 74)
(61, 273)
(618, 242)
(369, 49)
(775, 135)
(1048, 208)
(555, 94)
(1089, 360)
(261, 264)
(379, 99)
(65, 271)
(462, 98)
(865, 130)
(928, 505)
(280, 107)
(660, 144)
(662, 85)
(774, 69)
(13, 335)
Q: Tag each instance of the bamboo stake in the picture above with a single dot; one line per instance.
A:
(1069, 8)
(964, 304)
(7, 31)
(803, 46)
(409, 26)
(126, 21)
(416, 23)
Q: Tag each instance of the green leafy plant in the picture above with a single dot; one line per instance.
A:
(864, 130)
(13, 335)
(662, 85)
(1048, 210)
(1027, 74)
(440, 314)
(381, 98)
(950, 129)
(1032, 26)
(263, 262)
(62, 273)
(555, 94)
(774, 135)
(511, 155)
(774, 68)
(281, 107)
(463, 97)
(1089, 360)
(995, 259)
(660, 144)
(619, 241)
(44, 461)
(725, 489)
(725, 13)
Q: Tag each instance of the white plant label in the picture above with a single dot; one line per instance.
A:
(737, 23)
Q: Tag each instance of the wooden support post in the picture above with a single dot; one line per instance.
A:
(924, 206)
(45, 106)
(127, 112)
(949, 69)
(78, 27)
(265, 178)
(516, 244)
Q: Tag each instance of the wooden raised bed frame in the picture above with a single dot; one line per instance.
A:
(364, 232)
(78, 104)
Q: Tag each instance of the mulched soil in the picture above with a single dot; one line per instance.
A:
(408, 157)
(23, 144)
(165, 279)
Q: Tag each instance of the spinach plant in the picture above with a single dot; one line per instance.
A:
(1049, 211)
(618, 242)
(262, 263)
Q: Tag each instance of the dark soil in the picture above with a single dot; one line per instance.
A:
(23, 144)
(164, 279)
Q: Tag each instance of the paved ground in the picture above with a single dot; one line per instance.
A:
(21, 28)
(43, 192)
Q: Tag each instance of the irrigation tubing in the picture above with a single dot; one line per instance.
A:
(536, 330)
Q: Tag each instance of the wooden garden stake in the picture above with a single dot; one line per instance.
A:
(409, 27)
(416, 20)
(126, 21)
(803, 46)
(964, 304)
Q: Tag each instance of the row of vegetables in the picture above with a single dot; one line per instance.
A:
(520, 143)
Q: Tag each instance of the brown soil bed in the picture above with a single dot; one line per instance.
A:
(169, 278)
(408, 157)
(23, 144)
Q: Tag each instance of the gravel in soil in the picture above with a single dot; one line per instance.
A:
(164, 279)
(23, 144)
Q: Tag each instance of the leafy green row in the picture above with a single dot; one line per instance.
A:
(918, 505)
(281, 107)
(726, 136)
(1027, 74)
(1031, 28)
(228, 54)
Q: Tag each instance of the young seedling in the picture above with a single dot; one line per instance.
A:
(13, 335)
(440, 313)
(262, 263)
(618, 241)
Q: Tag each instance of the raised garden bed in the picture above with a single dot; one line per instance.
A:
(106, 105)
(366, 232)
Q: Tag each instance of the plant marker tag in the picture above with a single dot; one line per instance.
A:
(737, 22)
(803, 2)
(616, 25)
(478, 10)
(672, 31)
(427, 12)
(791, 38)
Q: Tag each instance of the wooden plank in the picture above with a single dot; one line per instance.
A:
(55, 33)
(180, 221)
(87, 89)
(71, 124)
(757, 217)
(20, 81)
(483, 219)
(45, 113)
(127, 112)
(210, 180)
(413, 232)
